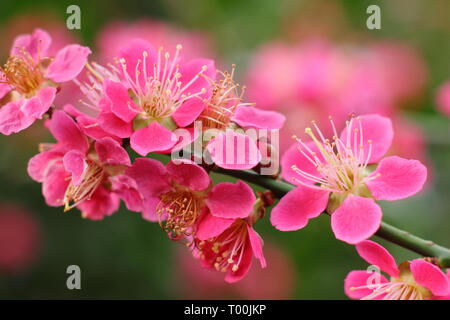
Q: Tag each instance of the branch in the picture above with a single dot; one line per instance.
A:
(400, 237)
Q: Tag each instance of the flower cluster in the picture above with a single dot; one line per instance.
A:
(146, 101)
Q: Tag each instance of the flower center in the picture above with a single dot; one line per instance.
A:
(160, 93)
(227, 249)
(225, 98)
(342, 165)
(23, 74)
(92, 178)
(181, 209)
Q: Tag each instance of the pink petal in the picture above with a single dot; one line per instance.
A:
(244, 266)
(191, 69)
(127, 190)
(68, 63)
(189, 111)
(376, 255)
(375, 128)
(431, 277)
(398, 178)
(149, 209)
(133, 53)
(357, 219)
(211, 226)
(294, 157)
(298, 206)
(12, 119)
(55, 185)
(257, 246)
(150, 176)
(92, 128)
(67, 132)
(75, 163)
(36, 44)
(232, 150)
(102, 203)
(37, 106)
(189, 174)
(251, 117)
(121, 103)
(231, 200)
(153, 138)
(360, 278)
(112, 124)
(110, 152)
(39, 165)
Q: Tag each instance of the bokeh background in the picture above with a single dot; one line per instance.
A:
(307, 59)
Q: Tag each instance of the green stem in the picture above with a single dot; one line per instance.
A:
(400, 237)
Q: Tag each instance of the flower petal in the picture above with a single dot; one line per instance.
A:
(356, 219)
(153, 138)
(12, 119)
(362, 278)
(127, 190)
(37, 106)
(101, 204)
(232, 150)
(39, 165)
(150, 176)
(121, 103)
(110, 152)
(231, 201)
(376, 255)
(431, 277)
(298, 206)
(210, 226)
(67, 132)
(36, 44)
(244, 266)
(68, 63)
(251, 117)
(189, 174)
(294, 157)
(397, 178)
(55, 185)
(75, 163)
(375, 128)
(257, 246)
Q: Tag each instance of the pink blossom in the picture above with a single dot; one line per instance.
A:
(27, 86)
(227, 121)
(76, 171)
(225, 238)
(412, 280)
(149, 95)
(443, 99)
(340, 177)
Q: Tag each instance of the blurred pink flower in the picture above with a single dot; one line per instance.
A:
(336, 176)
(20, 238)
(194, 282)
(112, 37)
(412, 280)
(27, 86)
(443, 99)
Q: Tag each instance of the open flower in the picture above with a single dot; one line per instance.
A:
(151, 95)
(339, 176)
(412, 280)
(225, 239)
(76, 171)
(226, 117)
(29, 79)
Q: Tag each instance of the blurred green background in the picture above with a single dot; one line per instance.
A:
(127, 257)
